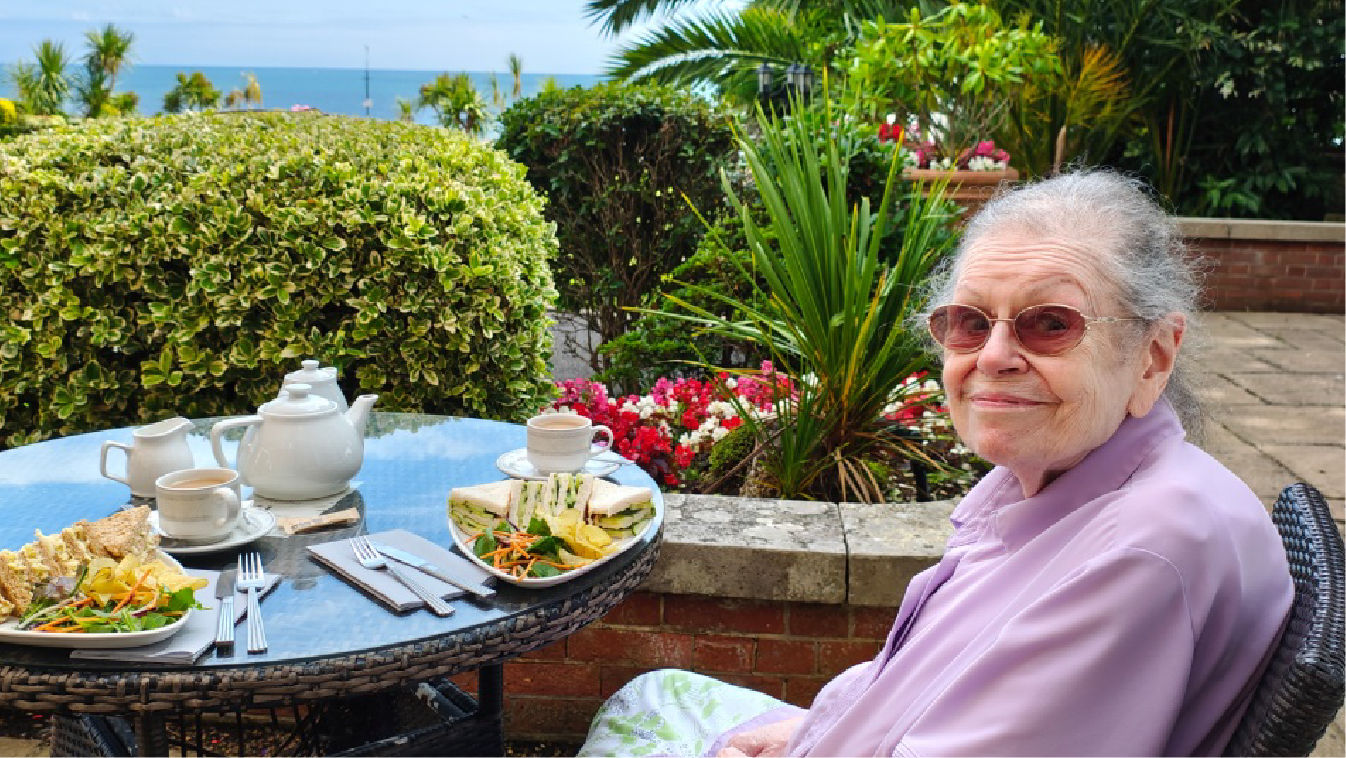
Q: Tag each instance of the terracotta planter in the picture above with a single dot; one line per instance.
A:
(970, 189)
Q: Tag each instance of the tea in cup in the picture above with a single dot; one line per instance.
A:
(563, 442)
(198, 505)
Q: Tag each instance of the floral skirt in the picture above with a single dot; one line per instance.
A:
(672, 712)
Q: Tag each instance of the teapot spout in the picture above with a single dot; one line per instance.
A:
(358, 413)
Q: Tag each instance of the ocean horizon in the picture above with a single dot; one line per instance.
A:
(331, 90)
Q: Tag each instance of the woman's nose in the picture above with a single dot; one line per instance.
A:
(1002, 352)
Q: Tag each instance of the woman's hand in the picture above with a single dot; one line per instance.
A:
(764, 742)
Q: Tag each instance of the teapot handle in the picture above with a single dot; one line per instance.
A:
(217, 435)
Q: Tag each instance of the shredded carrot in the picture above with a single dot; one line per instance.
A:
(132, 593)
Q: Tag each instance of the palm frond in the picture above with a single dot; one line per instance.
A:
(616, 15)
(721, 49)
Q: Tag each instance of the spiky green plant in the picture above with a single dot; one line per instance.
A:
(835, 315)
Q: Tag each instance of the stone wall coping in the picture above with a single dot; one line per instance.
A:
(812, 552)
(1260, 229)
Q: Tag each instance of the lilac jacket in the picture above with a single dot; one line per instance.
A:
(1126, 609)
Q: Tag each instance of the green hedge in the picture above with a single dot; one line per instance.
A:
(619, 165)
(182, 264)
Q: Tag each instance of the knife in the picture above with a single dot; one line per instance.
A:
(415, 561)
(224, 592)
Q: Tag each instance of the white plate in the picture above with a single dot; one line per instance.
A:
(626, 543)
(515, 463)
(253, 523)
(10, 633)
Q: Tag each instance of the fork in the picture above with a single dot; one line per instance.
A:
(252, 578)
(372, 559)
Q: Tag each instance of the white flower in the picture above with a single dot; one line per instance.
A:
(719, 433)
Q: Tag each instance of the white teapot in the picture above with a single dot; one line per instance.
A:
(322, 380)
(299, 446)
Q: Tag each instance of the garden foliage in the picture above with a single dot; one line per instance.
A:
(182, 264)
(619, 166)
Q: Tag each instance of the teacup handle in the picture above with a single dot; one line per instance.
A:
(230, 505)
(102, 461)
(604, 430)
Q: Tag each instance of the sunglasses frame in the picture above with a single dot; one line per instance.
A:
(1089, 321)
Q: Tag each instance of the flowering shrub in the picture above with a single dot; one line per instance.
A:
(985, 156)
(670, 431)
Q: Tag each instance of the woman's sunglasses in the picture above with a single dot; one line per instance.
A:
(1041, 329)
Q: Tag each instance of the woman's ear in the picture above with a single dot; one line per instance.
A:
(1160, 354)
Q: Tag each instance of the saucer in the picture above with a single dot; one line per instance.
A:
(515, 463)
(252, 524)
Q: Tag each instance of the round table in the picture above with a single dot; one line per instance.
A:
(327, 639)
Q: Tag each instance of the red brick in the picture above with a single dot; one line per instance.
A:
(638, 609)
(835, 657)
(786, 657)
(872, 623)
(544, 678)
(1236, 268)
(466, 682)
(719, 653)
(767, 685)
(553, 652)
(817, 620)
(1295, 270)
(642, 648)
(547, 718)
(613, 678)
(709, 614)
(800, 690)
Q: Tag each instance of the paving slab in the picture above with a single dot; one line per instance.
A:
(1234, 334)
(23, 748)
(1319, 465)
(1309, 339)
(1263, 474)
(889, 543)
(1302, 360)
(1217, 390)
(1215, 359)
(1295, 390)
(1270, 425)
(1267, 319)
(751, 548)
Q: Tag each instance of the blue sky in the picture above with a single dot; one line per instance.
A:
(551, 36)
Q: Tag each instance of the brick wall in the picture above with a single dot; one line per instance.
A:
(786, 649)
(1269, 266)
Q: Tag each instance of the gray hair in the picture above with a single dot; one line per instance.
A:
(1149, 263)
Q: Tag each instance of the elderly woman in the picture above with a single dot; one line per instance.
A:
(1109, 588)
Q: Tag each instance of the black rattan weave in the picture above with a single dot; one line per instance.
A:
(1302, 688)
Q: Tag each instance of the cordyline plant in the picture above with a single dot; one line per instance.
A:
(835, 313)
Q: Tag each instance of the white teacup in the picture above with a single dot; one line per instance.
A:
(198, 505)
(563, 442)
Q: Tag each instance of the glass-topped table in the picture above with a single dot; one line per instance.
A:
(327, 639)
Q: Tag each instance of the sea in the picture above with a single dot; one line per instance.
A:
(330, 90)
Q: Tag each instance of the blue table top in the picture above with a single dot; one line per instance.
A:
(411, 463)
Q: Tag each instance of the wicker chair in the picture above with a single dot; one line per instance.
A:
(1302, 688)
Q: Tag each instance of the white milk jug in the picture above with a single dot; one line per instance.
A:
(158, 449)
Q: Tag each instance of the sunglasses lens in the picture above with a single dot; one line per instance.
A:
(960, 328)
(1049, 329)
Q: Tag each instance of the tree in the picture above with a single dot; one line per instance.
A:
(456, 103)
(109, 50)
(516, 71)
(190, 93)
(725, 48)
(43, 86)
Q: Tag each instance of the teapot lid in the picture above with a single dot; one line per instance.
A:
(310, 373)
(295, 400)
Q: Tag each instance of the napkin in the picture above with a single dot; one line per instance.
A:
(196, 635)
(339, 557)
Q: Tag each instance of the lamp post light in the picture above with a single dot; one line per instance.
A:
(764, 80)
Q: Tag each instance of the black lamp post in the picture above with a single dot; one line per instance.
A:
(764, 80)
